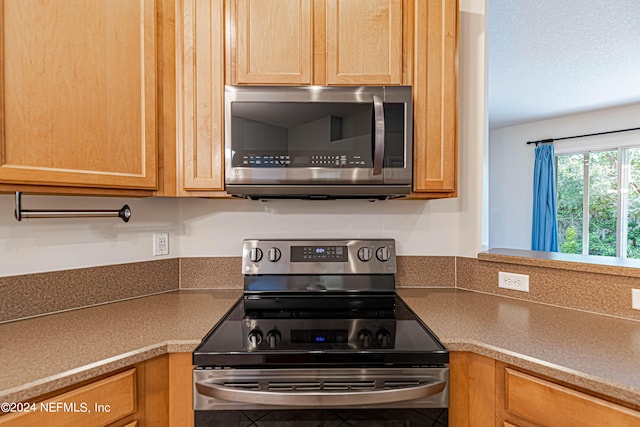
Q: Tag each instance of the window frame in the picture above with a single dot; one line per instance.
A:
(611, 142)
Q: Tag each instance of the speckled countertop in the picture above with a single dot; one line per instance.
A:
(46, 353)
(596, 352)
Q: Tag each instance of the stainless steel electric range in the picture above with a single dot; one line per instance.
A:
(320, 338)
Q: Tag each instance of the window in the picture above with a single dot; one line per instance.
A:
(599, 202)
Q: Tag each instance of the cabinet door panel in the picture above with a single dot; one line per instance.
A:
(78, 97)
(364, 42)
(98, 404)
(202, 81)
(545, 403)
(435, 96)
(472, 385)
(274, 41)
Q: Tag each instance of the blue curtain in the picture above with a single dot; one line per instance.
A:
(544, 229)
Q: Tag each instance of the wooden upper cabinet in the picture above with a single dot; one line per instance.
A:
(364, 42)
(274, 41)
(320, 42)
(200, 112)
(435, 98)
(78, 93)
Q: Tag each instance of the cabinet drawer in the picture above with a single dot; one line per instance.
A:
(96, 404)
(545, 403)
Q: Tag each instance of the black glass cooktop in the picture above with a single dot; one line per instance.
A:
(320, 331)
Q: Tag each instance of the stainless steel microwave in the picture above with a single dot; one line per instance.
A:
(318, 142)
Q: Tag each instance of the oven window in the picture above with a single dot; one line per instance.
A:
(424, 417)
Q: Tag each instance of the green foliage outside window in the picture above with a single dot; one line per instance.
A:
(602, 204)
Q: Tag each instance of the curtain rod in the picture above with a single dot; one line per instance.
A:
(546, 141)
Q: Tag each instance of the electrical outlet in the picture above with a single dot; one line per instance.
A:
(635, 299)
(160, 244)
(517, 282)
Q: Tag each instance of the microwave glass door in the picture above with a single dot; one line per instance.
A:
(334, 135)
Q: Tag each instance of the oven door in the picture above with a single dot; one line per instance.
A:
(317, 135)
(323, 397)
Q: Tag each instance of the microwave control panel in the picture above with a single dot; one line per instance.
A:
(277, 160)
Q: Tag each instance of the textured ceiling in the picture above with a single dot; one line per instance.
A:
(549, 58)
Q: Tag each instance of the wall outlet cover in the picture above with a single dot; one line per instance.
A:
(160, 244)
(516, 282)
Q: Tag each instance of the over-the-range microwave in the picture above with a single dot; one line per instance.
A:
(318, 142)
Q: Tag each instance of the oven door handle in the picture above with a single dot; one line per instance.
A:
(320, 398)
(378, 148)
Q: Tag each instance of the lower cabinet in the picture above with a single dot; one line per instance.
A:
(157, 392)
(526, 400)
(472, 388)
(485, 392)
(99, 403)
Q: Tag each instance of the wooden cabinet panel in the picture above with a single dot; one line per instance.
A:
(472, 390)
(78, 98)
(435, 97)
(98, 404)
(303, 42)
(485, 392)
(364, 42)
(180, 390)
(274, 41)
(156, 392)
(542, 402)
(200, 113)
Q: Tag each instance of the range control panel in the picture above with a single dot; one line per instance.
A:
(284, 257)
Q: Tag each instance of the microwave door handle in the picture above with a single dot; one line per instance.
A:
(378, 148)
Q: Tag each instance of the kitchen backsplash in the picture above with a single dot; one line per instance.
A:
(42, 293)
(595, 288)
(550, 283)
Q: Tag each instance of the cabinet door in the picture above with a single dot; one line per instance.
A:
(364, 42)
(200, 114)
(98, 404)
(78, 93)
(435, 97)
(527, 400)
(274, 41)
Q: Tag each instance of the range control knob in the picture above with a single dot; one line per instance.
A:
(255, 254)
(364, 254)
(365, 337)
(383, 337)
(255, 337)
(274, 254)
(273, 338)
(383, 254)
